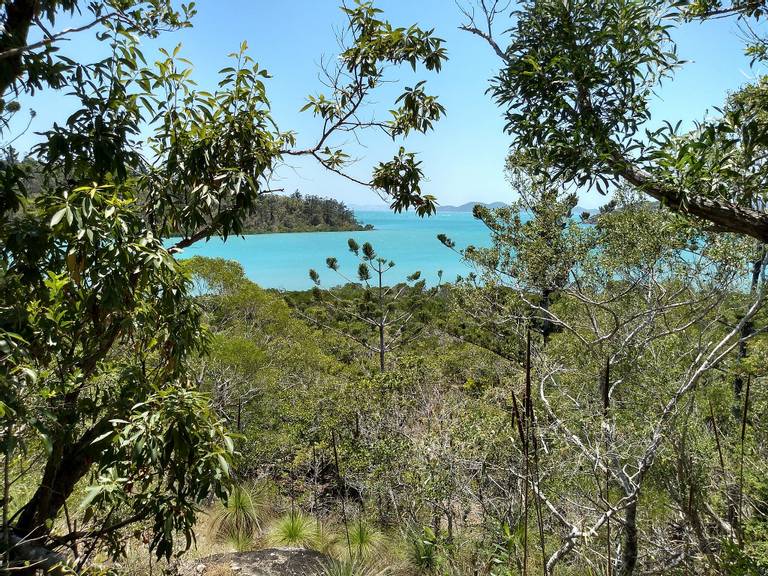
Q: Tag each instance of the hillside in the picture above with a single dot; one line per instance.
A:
(468, 206)
(298, 213)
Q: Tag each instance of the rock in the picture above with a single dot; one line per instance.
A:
(267, 562)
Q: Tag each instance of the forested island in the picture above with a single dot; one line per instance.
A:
(300, 213)
(590, 398)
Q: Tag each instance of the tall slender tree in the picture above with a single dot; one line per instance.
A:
(388, 314)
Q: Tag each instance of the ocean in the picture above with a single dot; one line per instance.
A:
(282, 261)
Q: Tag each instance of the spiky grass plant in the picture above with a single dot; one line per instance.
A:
(294, 530)
(353, 567)
(240, 519)
(364, 539)
(328, 540)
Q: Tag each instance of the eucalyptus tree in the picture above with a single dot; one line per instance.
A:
(576, 82)
(389, 312)
(97, 321)
(634, 389)
(535, 245)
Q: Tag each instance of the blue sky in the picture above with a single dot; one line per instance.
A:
(463, 158)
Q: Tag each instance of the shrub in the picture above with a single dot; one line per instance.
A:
(352, 567)
(423, 553)
(239, 520)
(295, 529)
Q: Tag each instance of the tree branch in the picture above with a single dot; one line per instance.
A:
(51, 38)
(725, 215)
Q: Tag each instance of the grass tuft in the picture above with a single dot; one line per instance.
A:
(241, 518)
(294, 530)
(364, 539)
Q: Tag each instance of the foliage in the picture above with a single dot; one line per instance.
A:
(84, 283)
(424, 553)
(433, 441)
(736, 562)
(100, 328)
(626, 315)
(294, 529)
(386, 315)
(576, 82)
(169, 431)
(262, 357)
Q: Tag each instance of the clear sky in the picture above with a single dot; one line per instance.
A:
(463, 158)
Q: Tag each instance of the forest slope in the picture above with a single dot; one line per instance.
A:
(298, 213)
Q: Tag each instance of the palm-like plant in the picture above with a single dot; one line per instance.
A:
(240, 519)
(295, 530)
(353, 567)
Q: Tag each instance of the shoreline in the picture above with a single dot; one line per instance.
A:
(367, 228)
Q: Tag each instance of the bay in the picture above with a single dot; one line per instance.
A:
(282, 261)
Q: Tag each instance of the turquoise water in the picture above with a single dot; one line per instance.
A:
(282, 260)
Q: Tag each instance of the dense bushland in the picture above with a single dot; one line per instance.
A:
(626, 437)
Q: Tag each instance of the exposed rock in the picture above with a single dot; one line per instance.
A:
(267, 562)
(28, 558)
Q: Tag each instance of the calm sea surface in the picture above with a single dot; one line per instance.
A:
(283, 260)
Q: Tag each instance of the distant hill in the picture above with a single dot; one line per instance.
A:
(579, 210)
(298, 213)
(469, 206)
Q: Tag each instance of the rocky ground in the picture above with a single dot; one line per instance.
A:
(267, 562)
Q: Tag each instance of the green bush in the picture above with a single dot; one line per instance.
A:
(295, 529)
(241, 518)
(423, 553)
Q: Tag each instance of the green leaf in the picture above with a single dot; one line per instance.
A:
(56, 218)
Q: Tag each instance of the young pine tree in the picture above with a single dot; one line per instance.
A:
(379, 317)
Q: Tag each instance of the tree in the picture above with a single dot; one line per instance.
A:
(98, 326)
(630, 388)
(297, 213)
(535, 244)
(575, 84)
(387, 311)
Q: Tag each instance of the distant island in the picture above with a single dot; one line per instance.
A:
(299, 213)
(469, 206)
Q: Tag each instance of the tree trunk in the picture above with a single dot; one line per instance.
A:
(381, 347)
(628, 558)
(726, 216)
(746, 331)
(19, 16)
(546, 324)
(382, 320)
(66, 466)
